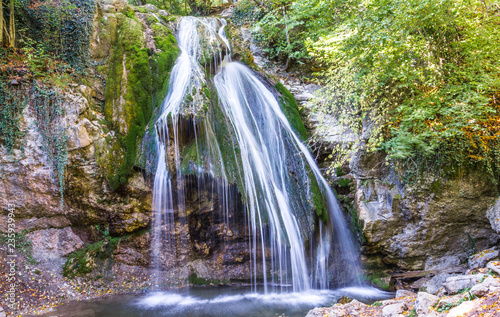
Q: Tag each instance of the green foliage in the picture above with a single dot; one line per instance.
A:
(469, 246)
(413, 313)
(271, 33)
(246, 11)
(62, 29)
(423, 74)
(48, 106)
(377, 304)
(13, 103)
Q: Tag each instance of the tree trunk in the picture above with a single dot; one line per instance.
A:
(287, 39)
(1, 22)
(12, 28)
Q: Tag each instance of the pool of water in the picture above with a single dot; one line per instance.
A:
(214, 301)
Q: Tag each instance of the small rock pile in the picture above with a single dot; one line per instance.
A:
(475, 293)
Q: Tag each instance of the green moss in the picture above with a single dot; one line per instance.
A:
(229, 148)
(437, 187)
(376, 280)
(131, 89)
(317, 198)
(169, 18)
(163, 62)
(128, 12)
(291, 111)
(195, 280)
(86, 260)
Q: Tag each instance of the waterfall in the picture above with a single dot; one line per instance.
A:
(275, 170)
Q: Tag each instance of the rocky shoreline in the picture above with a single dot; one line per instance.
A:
(475, 293)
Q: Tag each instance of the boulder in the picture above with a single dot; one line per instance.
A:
(480, 259)
(435, 283)
(493, 215)
(163, 13)
(227, 13)
(479, 290)
(456, 283)
(108, 8)
(393, 310)
(151, 8)
(462, 309)
(494, 266)
(490, 282)
(424, 302)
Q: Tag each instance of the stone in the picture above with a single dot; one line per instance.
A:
(494, 266)
(246, 34)
(424, 302)
(163, 13)
(14, 82)
(461, 309)
(493, 215)
(456, 283)
(479, 290)
(227, 13)
(2, 312)
(151, 8)
(404, 293)
(433, 285)
(312, 88)
(304, 96)
(108, 8)
(52, 244)
(393, 310)
(344, 300)
(491, 281)
(78, 137)
(480, 259)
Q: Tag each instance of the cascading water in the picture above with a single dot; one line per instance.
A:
(275, 170)
(266, 141)
(220, 158)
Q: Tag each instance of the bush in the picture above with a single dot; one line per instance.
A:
(424, 75)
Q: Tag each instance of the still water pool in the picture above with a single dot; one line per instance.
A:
(214, 301)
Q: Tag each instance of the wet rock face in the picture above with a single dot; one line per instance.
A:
(211, 234)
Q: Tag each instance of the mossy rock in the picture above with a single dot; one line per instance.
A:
(90, 258)
(131, 87)
(291, 110)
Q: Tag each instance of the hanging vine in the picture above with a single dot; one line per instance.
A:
(47, 105)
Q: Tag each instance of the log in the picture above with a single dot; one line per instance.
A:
(417, 274)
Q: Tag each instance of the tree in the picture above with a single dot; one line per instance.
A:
(1, 22)
(12, 27)
(10, 33)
